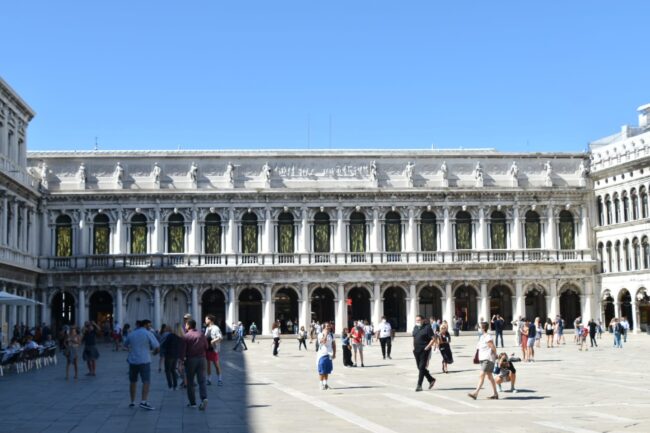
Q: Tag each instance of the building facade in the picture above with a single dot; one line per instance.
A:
(621, 176)
(323, 235)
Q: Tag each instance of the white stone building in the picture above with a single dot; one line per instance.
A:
(621, 176)
(325, 235)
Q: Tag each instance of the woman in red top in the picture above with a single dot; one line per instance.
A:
(356, 338)
(524, 339)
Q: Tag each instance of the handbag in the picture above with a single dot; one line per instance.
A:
(476, 361)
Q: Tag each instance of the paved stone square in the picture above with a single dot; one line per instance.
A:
(601, 390)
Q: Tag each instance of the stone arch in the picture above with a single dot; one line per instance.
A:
(430, 301)
(244, 287)
(251, 302)
(358, 304)
(365, 286)
(322, 305)
(326, 286)
(465, 301)
(395, 309)
(570, 309)
(642, 297)
(101, 305)
(460, 284)
(286, 300)
(213, 301)
(400, 285)
(175, 304)
(139, 305)
(63, 305)
(500, 302)
(292, 287)
(348, 212)
(535, 301)
(624, 297)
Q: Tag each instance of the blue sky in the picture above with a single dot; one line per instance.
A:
(513, 75)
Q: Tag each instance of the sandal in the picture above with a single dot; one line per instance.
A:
(493, 397)
(472, 396)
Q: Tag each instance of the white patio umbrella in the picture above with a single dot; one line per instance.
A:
(9, 299)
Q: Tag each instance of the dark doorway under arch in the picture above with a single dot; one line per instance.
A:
(64, 311)
(465, 300)
(535, 304)
(626, 307)
(569, 307)
(608, 310)
(358, 303)
(430, 304)
(101, 307)
(322, 305)
(395, 308)
(250, 309)
(286, 308)
(213, 302)
(501, 304)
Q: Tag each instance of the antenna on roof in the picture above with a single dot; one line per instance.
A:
(96, 145)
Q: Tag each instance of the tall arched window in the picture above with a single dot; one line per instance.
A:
(600, 211)
(139, 234)
(617, 208)
(644, 202)
(428, 235)
(63, 234)
(637, 253)
(626, 254)
(617, 255)
(608, 208)
(609, 257)
(646, 252)
(463, 231)
(498, 230)
(249, 233)
(357, 233)
(322, 233)
(567, 231)
(285, 233)
(176, 234)
(635, 204)
(101, 234)
(601, 257)
(626, 207)
(212, 234)
(393, 232)
(533, 229)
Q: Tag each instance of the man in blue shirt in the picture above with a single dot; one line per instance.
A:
(140, 343)
(240, 337)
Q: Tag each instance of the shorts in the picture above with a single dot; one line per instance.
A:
(212, 356)
(531, 342)
(504, 374)
(487, 366)
(144, 370)
(549, 332)
(357, 346)
(325, 365)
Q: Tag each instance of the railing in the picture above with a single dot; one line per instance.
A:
(17, 173)
(17, 258)
(307, 259)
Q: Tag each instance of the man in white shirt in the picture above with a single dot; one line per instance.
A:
(214, 336)
(326, 353)
(384, 333)
(626, 327)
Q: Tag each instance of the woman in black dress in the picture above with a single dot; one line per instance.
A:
(445, 349)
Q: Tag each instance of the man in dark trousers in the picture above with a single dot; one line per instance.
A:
(193, 351)
(423, 339)
(497, 325)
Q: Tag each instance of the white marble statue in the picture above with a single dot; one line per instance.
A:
(548, 170)
(373, 172)
(81, 175)
(583, 172)
(230, 173)
(193, 174)
(267, 172)
(119, 174)
(514, 174)
(478, 175)
(408, 172)
(156, 173)
(44, 173)
(444, 174)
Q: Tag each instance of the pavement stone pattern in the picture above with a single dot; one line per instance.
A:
(565, 390)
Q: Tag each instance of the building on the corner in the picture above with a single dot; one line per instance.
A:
(621, 180)
(307, 235)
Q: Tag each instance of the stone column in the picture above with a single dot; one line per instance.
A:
(231, 233)
(304, 318)
(584, 228)
(195, 234)
(339, 244)
(84, 240)
(516, 229)
(32, 310)
(378, 306)
(45, 309)
(118, 248)
(482, 231)
(341, 320)
(156, 308)
(231, 313)
(520, 309)
(446, 232)
(551, 243)
(156, 233)
(375, 232)
(267, 315)
(484, 310)
(119, 306)
(13, 314)
(196, 313)
(635, 316)
(617, 309)
(33, 233)
(448, 313)
(267, 243)
(303, 246)
(549, 305)
(23, 310)
(411, 233)
(555, 299)
(23, 241)
(4, 219)
(81, 314)
(14, 224)
(46, 234)
(412, 306)
(586, 307)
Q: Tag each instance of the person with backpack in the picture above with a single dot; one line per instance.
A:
(253, 331)
(618, 332)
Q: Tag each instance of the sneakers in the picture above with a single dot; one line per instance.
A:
(433, 382)
(499, 388)
(322, 387)
(131, 404)
(418, 389)
(327, 387)
(220, 383)
(191, 404)
(514, 391)
(146, 405)
(204, 404)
